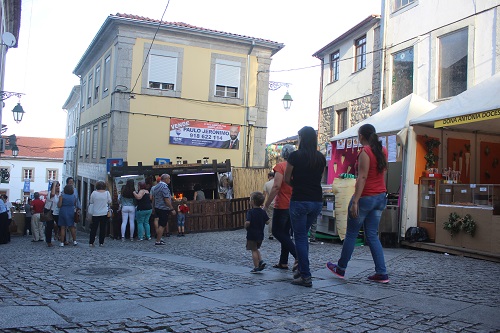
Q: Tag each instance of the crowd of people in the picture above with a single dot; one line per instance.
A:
(290, 204)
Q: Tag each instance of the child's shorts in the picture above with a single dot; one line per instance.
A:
(181, 218)
(253, 245)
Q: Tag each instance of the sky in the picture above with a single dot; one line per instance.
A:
(55, 33)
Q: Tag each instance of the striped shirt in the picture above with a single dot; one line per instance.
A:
(161, 191)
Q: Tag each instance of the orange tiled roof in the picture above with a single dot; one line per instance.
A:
(31, 147)
(185, 25)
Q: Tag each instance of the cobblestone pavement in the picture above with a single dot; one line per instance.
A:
(202, 283)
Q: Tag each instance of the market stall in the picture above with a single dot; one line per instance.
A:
(461, 205)
(391, 125)
(226, 190)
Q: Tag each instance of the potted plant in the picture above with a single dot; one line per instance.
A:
(430, 157)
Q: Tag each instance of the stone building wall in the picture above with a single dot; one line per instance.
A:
(360, 109)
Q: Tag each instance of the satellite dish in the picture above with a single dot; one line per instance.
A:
(8, 39)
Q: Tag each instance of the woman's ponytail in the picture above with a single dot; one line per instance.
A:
(368, 132)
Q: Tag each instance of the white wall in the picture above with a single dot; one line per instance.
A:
(422, 23)
(16, 183)
(351, 85)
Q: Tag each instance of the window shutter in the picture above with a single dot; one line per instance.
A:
(227, 75)
(162, 69)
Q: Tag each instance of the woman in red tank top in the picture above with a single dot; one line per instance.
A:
(367, 204)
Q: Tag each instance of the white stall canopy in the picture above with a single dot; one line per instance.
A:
(393, 118)
(476, 109)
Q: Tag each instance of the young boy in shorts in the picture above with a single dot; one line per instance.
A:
(255, 222)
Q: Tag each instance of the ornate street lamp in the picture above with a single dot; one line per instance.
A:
(287, 101)
(18, 113)
(15, 151)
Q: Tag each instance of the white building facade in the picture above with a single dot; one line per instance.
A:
(72, 108)
(350, 66)
(438, 49)
(39, 162)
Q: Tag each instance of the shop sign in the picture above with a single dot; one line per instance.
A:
(111, 162)
(468, 118)
(204, 134)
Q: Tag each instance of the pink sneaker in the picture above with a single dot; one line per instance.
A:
(336, 270)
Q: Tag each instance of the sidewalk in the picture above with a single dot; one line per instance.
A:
(202, 283)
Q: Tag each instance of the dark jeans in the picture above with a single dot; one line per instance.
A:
(4, 228)
(281, 231)
(101, 222)
(302, 215)
(27, 225)
(49, 228)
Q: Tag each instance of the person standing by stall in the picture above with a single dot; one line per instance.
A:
(367, 204)
(127, 206)
(183, 209)
(143, 213)
(67, 205)
(304, 172)
(4, 224)
(281, 218)
(36, 225)
(27, 218)
(100, 200)
(267, 190)
(162, 205)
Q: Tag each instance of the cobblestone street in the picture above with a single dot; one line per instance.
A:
(202, 283)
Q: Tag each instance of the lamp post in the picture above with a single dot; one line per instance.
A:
(287, 99)
(18, 113)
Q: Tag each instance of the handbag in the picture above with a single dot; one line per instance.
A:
(76, 218)
(46, 217)
(110, 213)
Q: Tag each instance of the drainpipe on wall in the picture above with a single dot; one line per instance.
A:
(246, 138)
(382, 56)
(321, 104)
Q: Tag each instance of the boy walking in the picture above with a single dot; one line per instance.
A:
(255, 222)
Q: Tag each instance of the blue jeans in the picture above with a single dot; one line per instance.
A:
(281, 231)
(302, 216)
(370, 211)
(142, 217)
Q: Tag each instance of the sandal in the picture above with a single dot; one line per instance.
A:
(281, 266)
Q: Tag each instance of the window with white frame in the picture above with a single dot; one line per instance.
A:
(51, 175)
(227, 78)
(162, 70)
(89, 90)
(453, 58)
(402, 74)
(28, 173)
(401, 3)
(360, 59)
(83, 92)
(97, 84)
(341, 120)
(104, 139)
(334, 66)
(82, 142)
(87, 143)
(95, 131)
(107, 75)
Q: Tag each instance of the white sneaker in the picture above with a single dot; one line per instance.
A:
(61, 244)
(75, 243)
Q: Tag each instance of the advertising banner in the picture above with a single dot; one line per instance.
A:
(26, 187)
(204, 134)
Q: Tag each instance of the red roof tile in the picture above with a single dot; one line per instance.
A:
(52, 148)
(185, 25)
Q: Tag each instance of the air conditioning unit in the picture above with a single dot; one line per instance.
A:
(2, 145)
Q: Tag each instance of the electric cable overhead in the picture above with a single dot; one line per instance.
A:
(151, 45)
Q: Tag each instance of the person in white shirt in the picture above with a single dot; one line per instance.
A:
(100, 200)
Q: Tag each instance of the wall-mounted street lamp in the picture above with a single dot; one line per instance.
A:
(15, 151)
(18, 111)
(287, 99)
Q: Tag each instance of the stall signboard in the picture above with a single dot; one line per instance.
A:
(120, 181)
(468, 118)
(111, 162)
(162, 161)
(204, 134)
